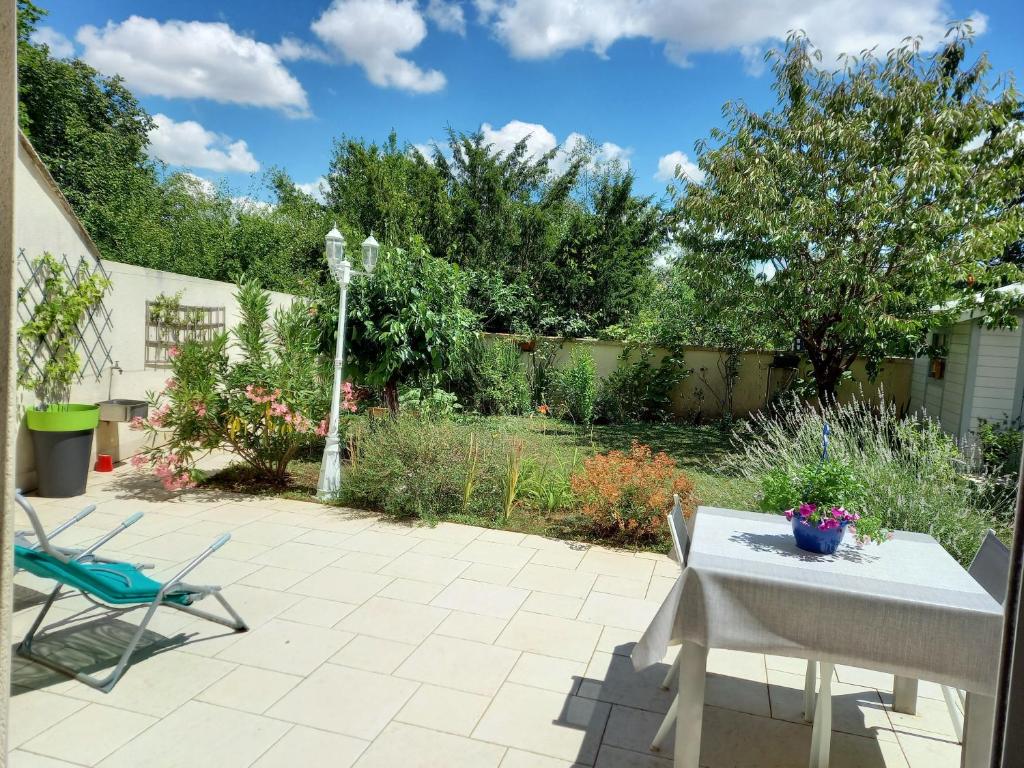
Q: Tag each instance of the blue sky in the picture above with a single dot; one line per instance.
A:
(240, 86)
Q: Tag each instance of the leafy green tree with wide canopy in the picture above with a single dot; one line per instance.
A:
(870, 195)
(409, 323)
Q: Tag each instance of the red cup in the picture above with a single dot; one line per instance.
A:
(104, 462)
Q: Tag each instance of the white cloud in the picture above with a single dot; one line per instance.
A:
(189, 144)
(667, 165)
(293, 49)
(601, 154)
(373, 34)
(538, 138)
(536, 29)
(58, 43)
(248, 204)
(197, 185)
(193, 59)
(317, 189)
(448, 16)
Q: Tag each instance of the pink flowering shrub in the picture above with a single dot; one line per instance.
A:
(265, 403)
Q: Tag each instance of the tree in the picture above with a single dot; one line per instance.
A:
(409, 322)
(92, 134)
(506, 211)
(874, 193)
(600, 271)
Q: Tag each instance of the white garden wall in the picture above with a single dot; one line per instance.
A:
(45, 222)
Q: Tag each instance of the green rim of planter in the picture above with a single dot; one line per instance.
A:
(73, 417)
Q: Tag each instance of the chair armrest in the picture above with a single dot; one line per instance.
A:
(192, 565)
(127, 523)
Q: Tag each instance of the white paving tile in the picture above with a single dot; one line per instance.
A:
(461, 664)
(477, 597)
(345, 700)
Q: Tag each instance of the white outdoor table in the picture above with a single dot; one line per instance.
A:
(905, 607)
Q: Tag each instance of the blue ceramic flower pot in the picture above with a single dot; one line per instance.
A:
(811, 538)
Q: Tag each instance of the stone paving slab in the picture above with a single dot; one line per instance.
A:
(380, 643)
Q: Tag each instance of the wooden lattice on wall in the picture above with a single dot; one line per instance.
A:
(172, 326)
(91, 341)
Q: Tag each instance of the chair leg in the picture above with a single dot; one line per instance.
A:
(667, 724)
(821, 734)
(810, 683)
(104, 684)
(672, 677)
(236, 622)
(955, 715)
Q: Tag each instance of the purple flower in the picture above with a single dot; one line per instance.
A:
(789, 514)
(806, 510)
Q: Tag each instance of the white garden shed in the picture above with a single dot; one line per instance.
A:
(980, 378)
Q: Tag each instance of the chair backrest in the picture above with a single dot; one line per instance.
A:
(991, 566)
(43, 540)
(680, 535)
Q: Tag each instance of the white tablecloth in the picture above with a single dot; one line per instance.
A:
(904, 606)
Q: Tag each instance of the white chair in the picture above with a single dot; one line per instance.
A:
(991, 569)
(681, 543)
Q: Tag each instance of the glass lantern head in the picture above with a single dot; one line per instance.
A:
(371, 249)
(335, 251)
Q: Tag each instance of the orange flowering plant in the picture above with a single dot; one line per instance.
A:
(627, 496)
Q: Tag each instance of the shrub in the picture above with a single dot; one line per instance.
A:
(1000, 447)
(504, 389)
(574, 388)
(431, 403)
(264, 406)
(431, 469)
(640, 391)
(627, 496)
(911, 474)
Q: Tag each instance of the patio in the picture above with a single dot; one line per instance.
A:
(381, 644)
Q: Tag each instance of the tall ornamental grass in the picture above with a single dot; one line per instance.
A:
(913, 475)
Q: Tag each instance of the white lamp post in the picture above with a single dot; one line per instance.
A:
(330, 468)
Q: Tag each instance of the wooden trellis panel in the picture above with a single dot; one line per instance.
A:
(91, 341)
(189, 323)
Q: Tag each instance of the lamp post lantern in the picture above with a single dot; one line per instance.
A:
(341, 268)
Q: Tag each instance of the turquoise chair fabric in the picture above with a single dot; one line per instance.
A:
(113, 583)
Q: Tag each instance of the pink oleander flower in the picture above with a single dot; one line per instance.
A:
(350, 398)
(139, 460)
(322, 428)
(156, 418)
(137, 422)
(280, 409)
(173, 352)
(171, 384)
(200, 408)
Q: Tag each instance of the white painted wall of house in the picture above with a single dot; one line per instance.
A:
(45, 222)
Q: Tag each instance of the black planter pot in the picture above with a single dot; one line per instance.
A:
(62, 443)
(62, 462)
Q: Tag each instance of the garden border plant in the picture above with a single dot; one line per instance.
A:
(264, 407)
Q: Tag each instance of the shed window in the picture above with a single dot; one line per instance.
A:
(937, 366)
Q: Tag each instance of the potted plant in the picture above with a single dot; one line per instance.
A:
(48, 363)
(822, 499)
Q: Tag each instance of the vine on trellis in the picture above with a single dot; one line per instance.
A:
(58, 304)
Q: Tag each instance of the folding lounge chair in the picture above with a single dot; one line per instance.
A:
(111, 583)
(681, 544)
